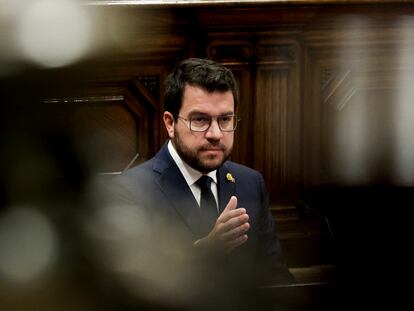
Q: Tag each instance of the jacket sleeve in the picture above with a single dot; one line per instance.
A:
(273, 268)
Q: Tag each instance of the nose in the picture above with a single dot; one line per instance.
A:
(214, 131)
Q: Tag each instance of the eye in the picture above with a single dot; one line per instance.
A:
(200, 119)
(226, 118)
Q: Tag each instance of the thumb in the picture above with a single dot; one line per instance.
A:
(231, 205)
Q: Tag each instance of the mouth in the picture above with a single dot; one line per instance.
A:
(212, 149)
(212, 152)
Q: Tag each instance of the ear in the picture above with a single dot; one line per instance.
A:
(169, 123)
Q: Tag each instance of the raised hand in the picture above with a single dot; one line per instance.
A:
(230, 228)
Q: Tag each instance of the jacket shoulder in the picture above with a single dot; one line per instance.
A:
(241, 169)
(138, 174)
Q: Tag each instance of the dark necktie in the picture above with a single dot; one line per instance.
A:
(208, 206)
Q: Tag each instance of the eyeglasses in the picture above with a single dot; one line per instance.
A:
(202, 122)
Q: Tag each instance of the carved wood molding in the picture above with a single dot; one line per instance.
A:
(251, 51)
(146, 88)
(275, 52)
(228, 51)
(227, 3)
(145, 102)
(104, 99)
(152, 83)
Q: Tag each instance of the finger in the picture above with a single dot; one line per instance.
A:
(232, 223)
(236, 243)
(226, 216)
(232, 204)
(235, 233)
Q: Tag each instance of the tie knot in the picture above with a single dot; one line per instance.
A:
(204, 182)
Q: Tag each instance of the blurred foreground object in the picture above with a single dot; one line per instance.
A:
(328, 120)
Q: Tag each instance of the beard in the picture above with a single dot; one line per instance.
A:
(192, 156)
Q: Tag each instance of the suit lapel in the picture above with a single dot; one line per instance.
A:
(173, 184)
(226, 188)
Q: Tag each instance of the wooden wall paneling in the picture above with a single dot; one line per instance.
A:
(247, 19)
(142, 78)
(277, 118)
(144, 127)
(270, 143)
(359, 81)
(237, 50)
(145, 80)
(243, 144)
(113, 123)
(143, 93)
(105, 129)
(312, 120)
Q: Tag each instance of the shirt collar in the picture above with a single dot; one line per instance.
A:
(191, 175)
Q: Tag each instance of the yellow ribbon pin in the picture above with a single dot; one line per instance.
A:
(230, 177)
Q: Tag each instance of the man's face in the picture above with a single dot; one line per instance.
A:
(203, 151)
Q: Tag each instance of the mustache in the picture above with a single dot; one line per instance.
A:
(212, 145)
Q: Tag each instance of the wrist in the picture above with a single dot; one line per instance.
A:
(197, 243)
(202, 242)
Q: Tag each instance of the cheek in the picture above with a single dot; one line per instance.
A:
(229, 140)
(186, 138)
(193, 141)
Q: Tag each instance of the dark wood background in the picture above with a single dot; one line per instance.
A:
(302, 70)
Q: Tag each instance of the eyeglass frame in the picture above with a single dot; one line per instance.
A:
(188, 122)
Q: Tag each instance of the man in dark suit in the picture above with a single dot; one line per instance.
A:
(229, 217)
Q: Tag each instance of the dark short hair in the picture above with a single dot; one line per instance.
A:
(203, 73)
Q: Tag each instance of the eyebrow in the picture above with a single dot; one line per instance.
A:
(204, 113)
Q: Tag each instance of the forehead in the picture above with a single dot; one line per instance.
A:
(198, 99)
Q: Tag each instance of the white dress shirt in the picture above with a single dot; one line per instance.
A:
(191, 175)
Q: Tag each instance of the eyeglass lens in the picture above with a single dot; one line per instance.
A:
(202, 122)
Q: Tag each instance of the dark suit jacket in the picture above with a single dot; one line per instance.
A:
(158, 187)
